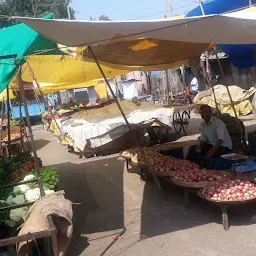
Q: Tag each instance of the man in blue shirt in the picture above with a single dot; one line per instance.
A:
(214, 140)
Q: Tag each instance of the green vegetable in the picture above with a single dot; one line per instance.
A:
(14, 122)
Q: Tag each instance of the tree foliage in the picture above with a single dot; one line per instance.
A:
(33, 8)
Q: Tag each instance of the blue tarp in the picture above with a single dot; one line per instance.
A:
(33, 110)
(241, 56)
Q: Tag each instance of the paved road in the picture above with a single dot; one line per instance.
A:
(115, 203)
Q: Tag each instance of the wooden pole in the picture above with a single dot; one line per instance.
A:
(122, 112)
(184, 81)
(1, 131)
(117, 90)
(148, 75)
(8, 117)
(30, 133)
(168, 87)
(112, 92)
(208, 82)
(223, 76)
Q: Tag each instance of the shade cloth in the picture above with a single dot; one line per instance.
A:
(21, 40)
(177, 33)
(223, 29)
(58, 72)
(241, 56)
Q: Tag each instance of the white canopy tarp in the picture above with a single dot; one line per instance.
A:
(233, 28)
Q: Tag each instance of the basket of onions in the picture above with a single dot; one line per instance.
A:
(230, 192)
(197, 178)
(163, 166)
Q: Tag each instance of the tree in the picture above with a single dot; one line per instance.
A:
(33, 8)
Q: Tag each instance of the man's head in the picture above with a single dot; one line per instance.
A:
(206, 113)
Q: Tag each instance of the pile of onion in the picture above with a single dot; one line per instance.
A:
(197, 175)
(166, 165)
(232, 190)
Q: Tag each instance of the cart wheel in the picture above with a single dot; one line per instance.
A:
(177, 122)
(186, 122)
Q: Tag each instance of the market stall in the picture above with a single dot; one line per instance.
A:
(165, 163)
(143, 44)
(103, 131)
(23, 180)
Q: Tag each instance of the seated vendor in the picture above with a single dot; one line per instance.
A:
(214, 140)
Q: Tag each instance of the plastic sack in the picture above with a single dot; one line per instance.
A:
(246, 166)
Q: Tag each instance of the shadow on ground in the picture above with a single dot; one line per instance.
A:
(41, 143)
(96, 189)
(167, 213)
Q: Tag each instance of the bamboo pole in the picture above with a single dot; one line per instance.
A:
(117, 90)
(8, 117)
(112, 92)
(122, 112)
(30, 133)
(45, 98)
(168, 87)
(46, 102)
(223, 76)
(210, 84)
(1, 130)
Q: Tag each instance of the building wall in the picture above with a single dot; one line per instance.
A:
(244, 78)
(141, 81)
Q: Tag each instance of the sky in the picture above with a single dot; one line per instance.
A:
(131, 9)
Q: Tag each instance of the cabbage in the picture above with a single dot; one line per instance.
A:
(9, 200)
(19, 199)
(21, 189)
(29, 177)
(32, 195)
(17, 214)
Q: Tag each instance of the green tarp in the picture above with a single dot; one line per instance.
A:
(23, 41)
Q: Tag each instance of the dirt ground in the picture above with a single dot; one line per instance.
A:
(112, 203)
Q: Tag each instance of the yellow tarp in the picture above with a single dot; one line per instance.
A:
(65, 139)
(101, 90)
(55, 73)
(239, 96)
(3, 95)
